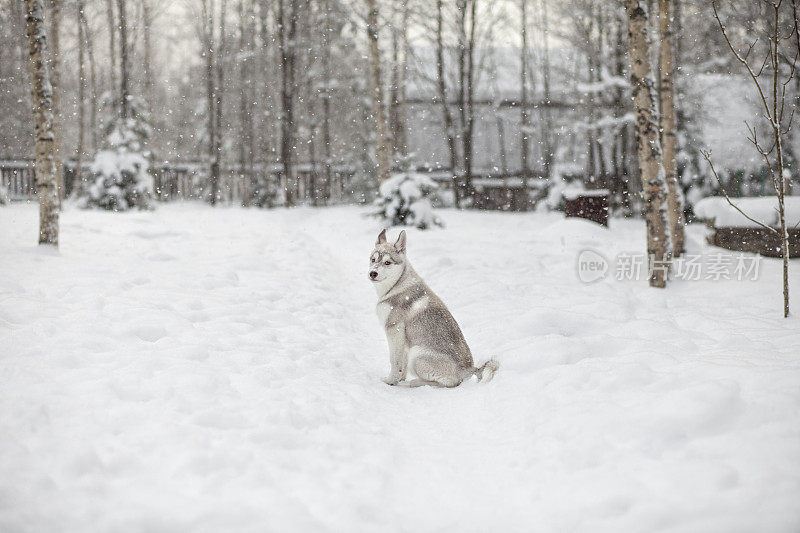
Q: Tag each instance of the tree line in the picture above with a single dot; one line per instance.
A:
(325, 81)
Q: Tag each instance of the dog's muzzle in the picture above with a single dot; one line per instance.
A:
(373, 275)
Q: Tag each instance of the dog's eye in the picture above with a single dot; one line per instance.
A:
(387, 263)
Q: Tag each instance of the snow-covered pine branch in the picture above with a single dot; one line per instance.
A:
(405, 200)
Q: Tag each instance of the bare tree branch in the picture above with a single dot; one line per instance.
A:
(739, 57)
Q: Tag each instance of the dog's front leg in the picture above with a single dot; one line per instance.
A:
(398, 355)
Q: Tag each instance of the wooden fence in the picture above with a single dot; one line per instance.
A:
(188, 180)
(17, 177)
(494, 191)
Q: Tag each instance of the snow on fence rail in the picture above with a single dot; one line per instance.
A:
(730, 229)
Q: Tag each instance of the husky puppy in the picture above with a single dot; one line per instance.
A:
(425, 341)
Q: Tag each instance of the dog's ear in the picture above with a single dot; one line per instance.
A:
(381, 237)
(400, 245)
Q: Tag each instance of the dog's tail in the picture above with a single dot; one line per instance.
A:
(486, 372)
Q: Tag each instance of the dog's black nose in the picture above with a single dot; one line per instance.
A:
(373, 275)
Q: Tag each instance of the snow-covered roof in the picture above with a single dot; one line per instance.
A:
(716, 209)
(573, 192)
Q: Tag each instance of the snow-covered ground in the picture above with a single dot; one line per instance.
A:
(193, 369)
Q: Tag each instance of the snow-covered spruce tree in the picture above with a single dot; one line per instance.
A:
(264, 191)
(405, 200)
(120, 177)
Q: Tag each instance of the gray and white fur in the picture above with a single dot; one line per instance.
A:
(425, 342)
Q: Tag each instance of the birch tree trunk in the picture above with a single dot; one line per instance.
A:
(246, 97)
(208, 8)
(394, 84)
(590, 180)
(378, 105)
(287, 29)
(112, 34)
(525, 121)
(779, 179)
(216, 162)
(547, 123)
(251, 92)
(647, 143)
(124, 74)
(92, 78)
(602, 180)
(44, 167)
(461, 17)
(326, 101)
(55, 81)
(77, 182)
(402, 117)
(397, 89)
(442, 87)
(471, 75)
(621, 181)
(666, 91)
(466, 75)
(147, 17)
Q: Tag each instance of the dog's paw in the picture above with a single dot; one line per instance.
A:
(390, 381)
